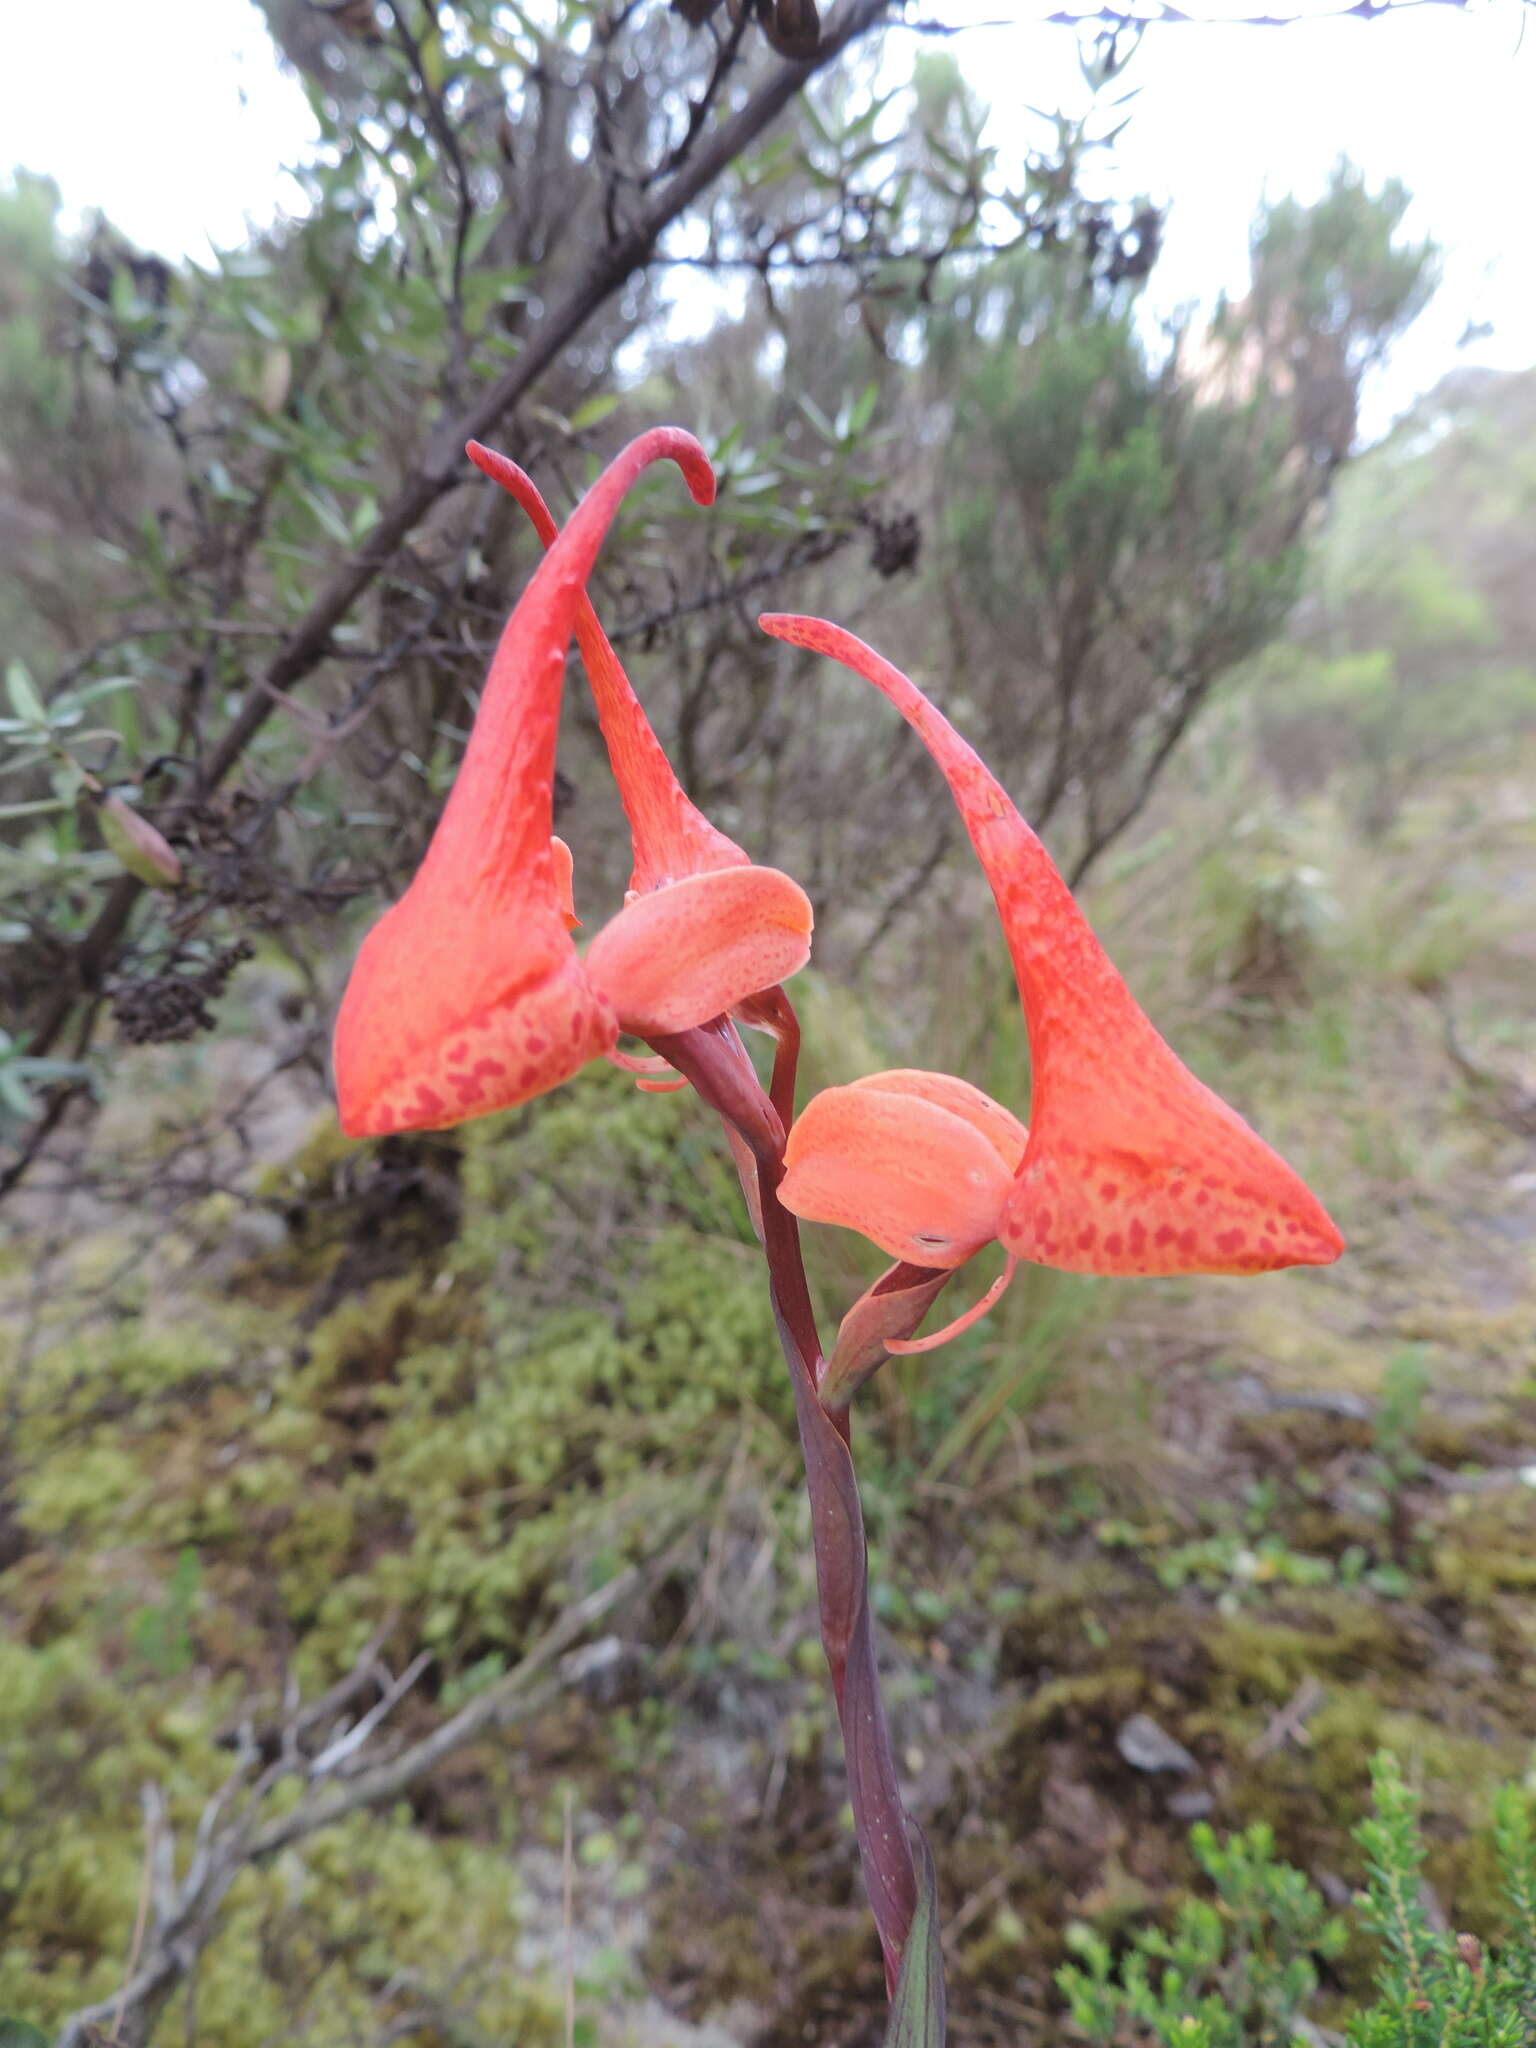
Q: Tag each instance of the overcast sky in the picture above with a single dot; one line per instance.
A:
(177, 121)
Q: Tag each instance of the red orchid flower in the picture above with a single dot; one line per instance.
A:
(468, 995)
(1130, 1165)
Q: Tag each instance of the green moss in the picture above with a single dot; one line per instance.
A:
(383, 1416)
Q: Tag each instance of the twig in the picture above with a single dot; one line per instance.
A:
(513, 1697)
(1290, 1723)
(464, 202)
(333, 1757)
(568, 1914)
(154, 1813)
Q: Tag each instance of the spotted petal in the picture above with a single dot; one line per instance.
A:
(468, 996)
(1132, 1166)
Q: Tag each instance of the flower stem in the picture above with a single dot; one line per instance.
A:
(847, 1625)
(716, 1063)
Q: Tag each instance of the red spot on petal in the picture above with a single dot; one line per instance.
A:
(1138, 1239)
(487, 1069)
(1165, 1235)
(1230, 1240)
(1187, 1242)
(1086, 1236)
(1108, 1191)
(1201, 1199)
(535, 1043)
(1113, 1244)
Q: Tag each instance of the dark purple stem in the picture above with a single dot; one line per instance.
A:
(714, 1060)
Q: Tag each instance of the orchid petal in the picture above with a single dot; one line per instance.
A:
(999, 1126)
(672, 837)
(902, 1166)
(650, 1064)
(467, 996)
(653, 1075)
(565, 882)
(909, 1347)
(685, 953)
(1133, 1165)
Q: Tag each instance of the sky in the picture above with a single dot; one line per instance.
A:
(177, 122)
(1442, 98)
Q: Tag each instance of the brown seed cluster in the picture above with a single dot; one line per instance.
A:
(174, 1003)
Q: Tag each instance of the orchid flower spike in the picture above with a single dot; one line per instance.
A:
(468, 996)
(1130, 1165)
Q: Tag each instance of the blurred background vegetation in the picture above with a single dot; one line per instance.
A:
(311, 1450)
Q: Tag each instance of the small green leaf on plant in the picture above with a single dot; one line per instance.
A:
(22, 691)
(21, 2034)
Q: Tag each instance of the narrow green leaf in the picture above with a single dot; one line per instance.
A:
(22, 691)
(917, 2010)
(105, 687)
(328, 515)
(864, 408)
(13, 1093)
(817, 417)
(593, 411)
(36, 809)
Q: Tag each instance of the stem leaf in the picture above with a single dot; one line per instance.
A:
(917, 2007)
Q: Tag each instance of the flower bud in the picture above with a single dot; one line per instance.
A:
(140, 848)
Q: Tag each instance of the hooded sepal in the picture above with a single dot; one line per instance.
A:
(1133, 1166)
(468, 995)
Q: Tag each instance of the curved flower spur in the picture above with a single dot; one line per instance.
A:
(1130, 1165)
(468, 996)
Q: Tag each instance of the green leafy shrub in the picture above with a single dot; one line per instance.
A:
(1237, 1969)
(1244, 1969)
